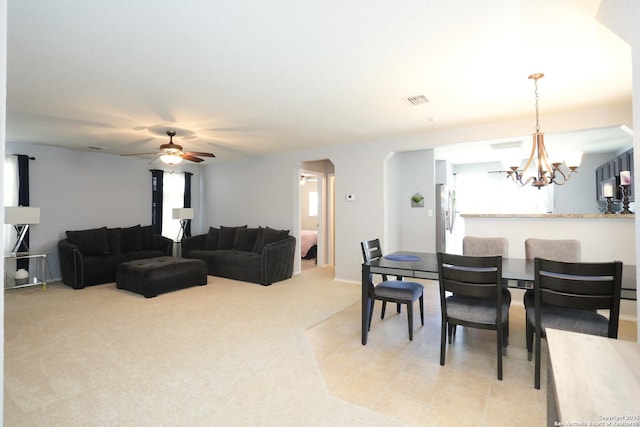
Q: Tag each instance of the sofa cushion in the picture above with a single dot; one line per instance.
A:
(211, 242)
(147, 240)
(226, 237)
(90, 242)
(267, 236)
(114, 240)
(245, 239)
(131, 239)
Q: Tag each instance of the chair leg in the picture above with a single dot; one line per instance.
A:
(410, 319)
(530, 333)
(399, 308)
(537, 374)
(450, 328)
(422, 309)
(505, 336)
(371, 304)
(384, 308)
(499, 335)
(443, 335)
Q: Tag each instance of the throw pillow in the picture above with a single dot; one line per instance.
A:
(226, 236)
(211, 242)
(91, 242)
(131, 240)
(147, 239)
(245, 239)
(270, 235)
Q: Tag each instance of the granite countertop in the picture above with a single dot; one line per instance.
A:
(551, 216)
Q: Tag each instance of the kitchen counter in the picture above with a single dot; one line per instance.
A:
(553, 216)
(602, 237)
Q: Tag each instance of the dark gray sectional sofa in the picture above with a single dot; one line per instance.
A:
(90, 257)
(260, 255)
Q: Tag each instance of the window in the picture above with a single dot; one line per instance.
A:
(313, 203)
(10, 197)
(480, 192)
(173, 197)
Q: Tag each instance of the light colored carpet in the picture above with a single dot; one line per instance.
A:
(229, 353)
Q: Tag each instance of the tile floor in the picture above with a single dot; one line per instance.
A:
(404, 379)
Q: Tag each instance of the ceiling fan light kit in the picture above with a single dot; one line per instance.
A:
(172, 154)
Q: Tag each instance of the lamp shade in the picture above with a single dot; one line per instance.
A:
(182, 213)
(21, 215)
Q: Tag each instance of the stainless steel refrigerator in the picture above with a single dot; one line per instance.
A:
(445, 217)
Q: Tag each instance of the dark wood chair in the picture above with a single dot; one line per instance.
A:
(567, 297)
(476, 299)
(565, 250)
(489, 246)
(394, 291)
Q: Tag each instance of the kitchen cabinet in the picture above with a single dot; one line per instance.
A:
(610, 173)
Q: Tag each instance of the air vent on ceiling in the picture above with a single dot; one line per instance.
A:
(93, 147)
(416, 100)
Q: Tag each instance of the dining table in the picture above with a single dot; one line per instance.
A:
(518, 272)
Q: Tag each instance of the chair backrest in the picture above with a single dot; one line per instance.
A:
(567, 250)
(371, 250)
(478, 277)
(580, 286)
(485, 246)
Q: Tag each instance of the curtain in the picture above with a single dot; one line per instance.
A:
(187, 200)
(156, 200)
(23, 200)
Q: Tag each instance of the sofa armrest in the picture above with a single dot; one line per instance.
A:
(277, 260)
(164, 244)
(71, 264)
(193, 242)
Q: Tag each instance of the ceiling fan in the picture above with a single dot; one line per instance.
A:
(172, 154)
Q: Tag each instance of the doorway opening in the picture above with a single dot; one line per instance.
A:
(316, 213)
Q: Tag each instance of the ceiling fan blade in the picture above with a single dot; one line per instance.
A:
(197, 153)
(191, 158)
(140, 154)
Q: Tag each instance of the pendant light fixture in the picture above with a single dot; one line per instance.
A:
(545, 170)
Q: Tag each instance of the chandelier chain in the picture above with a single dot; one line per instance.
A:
(537, 110)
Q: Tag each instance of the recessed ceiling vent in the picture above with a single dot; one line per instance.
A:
(93, 147)
(416, 100)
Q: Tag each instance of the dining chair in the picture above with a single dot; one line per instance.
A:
(565, 250)
(485, 246)
(489, 246)
(394, 291)
(476, 298)
(567, 296)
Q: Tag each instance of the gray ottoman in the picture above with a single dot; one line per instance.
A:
(153, 276)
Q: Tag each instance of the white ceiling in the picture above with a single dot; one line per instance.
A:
(253, 77)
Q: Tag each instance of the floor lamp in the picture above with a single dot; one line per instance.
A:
(184, 215)
(21, 217)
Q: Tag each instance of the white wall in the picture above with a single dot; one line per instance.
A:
(262, 191)
(3, 111)
(77, 190)
(415, 172)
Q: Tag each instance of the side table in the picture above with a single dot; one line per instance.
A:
(37, 270)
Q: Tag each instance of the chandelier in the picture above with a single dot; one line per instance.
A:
(547, 170)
